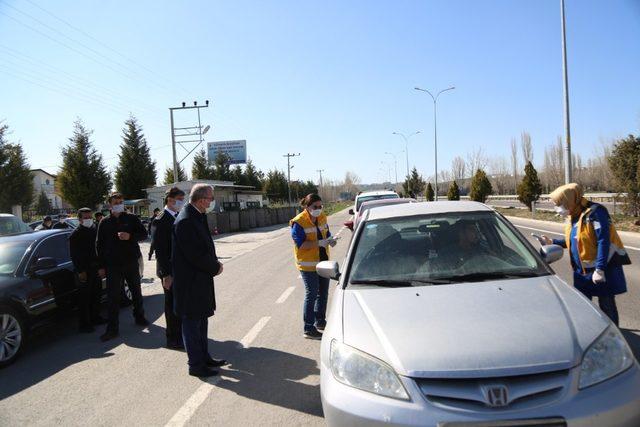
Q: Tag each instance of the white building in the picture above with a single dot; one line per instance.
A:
(44, 181)
(225, 192)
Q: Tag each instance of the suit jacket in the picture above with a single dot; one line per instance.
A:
(161, 238)
(82, 247)
(194, 263)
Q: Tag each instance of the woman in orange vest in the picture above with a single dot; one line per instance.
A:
(312, 239)
(596, 251)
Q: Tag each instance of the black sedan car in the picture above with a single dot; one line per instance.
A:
(36, 281)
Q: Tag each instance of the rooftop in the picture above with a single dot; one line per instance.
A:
(426, 208)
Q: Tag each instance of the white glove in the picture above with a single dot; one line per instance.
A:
(598, 277)
(323, 243)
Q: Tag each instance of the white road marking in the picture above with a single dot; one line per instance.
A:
(192, 404)
(285, 295)
(562, 234)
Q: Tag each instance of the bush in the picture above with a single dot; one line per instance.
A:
(529, 189)
(429, 194)
(481, 187)
(454, 192)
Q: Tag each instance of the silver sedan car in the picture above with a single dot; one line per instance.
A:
(444, 315)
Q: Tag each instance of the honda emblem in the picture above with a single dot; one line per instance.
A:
(496, 396)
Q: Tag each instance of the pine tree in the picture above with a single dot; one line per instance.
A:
(454, 192)
(275, 186)
(254, 176)
(624, 163)
(238, 176)
(168, 175)
(136, 171)
(83, 180)
(529, 189)
(429, 193)
(16, 179)
(481, 187)
(414, 184)
(43, 205)
(201, 168)
(222, 168)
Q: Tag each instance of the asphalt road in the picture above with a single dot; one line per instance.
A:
(548, 205)
(71, 379)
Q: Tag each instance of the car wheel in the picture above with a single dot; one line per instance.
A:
(13, 334)
(127, 297)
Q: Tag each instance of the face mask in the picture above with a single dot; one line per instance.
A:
(316, 213)
(117, 208)
(561, 210)
(87, 223)
(178, 205)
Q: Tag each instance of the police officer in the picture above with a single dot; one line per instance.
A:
(156, 214)
(85, 262)
(118, 249)
(162, 226)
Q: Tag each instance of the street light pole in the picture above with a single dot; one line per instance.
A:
(406, 148)
(395, 165)
(567, 126)
(435, 131)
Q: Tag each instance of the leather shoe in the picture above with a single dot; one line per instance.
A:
(203, 372)
(216, 363)
(175, 346)
(109, 335)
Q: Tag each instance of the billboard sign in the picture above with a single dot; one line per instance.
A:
(236, 150)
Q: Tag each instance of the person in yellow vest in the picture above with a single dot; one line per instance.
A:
(312, 239)
(596, 251)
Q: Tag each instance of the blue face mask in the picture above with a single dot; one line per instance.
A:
(178, 205)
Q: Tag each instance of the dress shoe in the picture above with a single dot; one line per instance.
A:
(216, 363)
(109, 335)
(203, 372)
(141, 321)
(313, 334)
(175, 346)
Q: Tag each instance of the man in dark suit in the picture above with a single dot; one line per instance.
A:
(156, 214)
(194, 265)
(162, 226)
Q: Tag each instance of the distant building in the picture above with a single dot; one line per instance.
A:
(227, 194)
(44, 181)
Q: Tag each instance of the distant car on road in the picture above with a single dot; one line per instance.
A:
(11, 224)
(445, 315)
(352, 224)
(36, 280)
(369, 196)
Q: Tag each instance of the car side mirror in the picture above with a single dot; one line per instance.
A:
(551, 253)
(349, 225)
(44, 263)
(350, 211)
(328, 270)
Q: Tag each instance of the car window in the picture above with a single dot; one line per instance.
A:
(12, 225)
(363, 199)
(56, 246)
(447, 247)
(10, 255)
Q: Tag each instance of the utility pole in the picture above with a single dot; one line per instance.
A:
(320, 172)
(289, 156)
(199, 132)
(567, 125)
(406, 150)
(395, 163)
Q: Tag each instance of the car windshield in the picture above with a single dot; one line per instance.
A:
(12, 225)
(74, 222)
(363, 199)
(441, 249)
(10, 255)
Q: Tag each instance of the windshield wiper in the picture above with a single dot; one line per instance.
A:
(400, 283)
(479, 277)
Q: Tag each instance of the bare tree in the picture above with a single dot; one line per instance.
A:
(553, 170)
(514, 163)
(458, 169)
(527, 148)
(476, 159)
(500, 177)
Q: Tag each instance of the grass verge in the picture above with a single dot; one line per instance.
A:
(333, 207)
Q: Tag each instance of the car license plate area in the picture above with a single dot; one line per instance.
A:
(545, 422)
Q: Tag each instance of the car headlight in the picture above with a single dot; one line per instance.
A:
(360, 370)
(608, 356)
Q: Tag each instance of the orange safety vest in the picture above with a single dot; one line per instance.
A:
(307, 259)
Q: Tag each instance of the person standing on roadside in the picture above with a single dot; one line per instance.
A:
(82, 248)
(118, 250)
(47, 224)
(194, 265)
(162, 227)
(99, 216)
(596, 251)
(312, 238)
(62, 223)
(156, 214)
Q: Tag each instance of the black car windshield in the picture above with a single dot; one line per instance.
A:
(363, 199)
(442, 249)
(10, 255)
(12, 225)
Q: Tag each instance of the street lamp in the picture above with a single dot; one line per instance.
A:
(406, 146)
(395, 163)
(435, 130)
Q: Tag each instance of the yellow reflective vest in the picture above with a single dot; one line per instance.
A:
(307, 259)
(588, 243)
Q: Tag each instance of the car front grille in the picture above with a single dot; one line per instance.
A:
(522, 392)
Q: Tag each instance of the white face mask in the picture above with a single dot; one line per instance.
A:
(87, 223)
(316, 213)
(117, 208)
(178, 205)
(561, 210)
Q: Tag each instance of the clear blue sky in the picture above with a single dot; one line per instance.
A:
(331, 80)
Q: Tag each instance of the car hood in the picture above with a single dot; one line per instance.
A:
(468, 330)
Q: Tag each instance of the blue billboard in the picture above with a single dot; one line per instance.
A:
(236, 150)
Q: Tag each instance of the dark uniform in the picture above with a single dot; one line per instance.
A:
(61, 226)
(120, 260)
(162, 226)
(82, 246)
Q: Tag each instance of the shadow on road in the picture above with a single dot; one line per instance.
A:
(56, 346)
(633, 338)
(269, 376)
